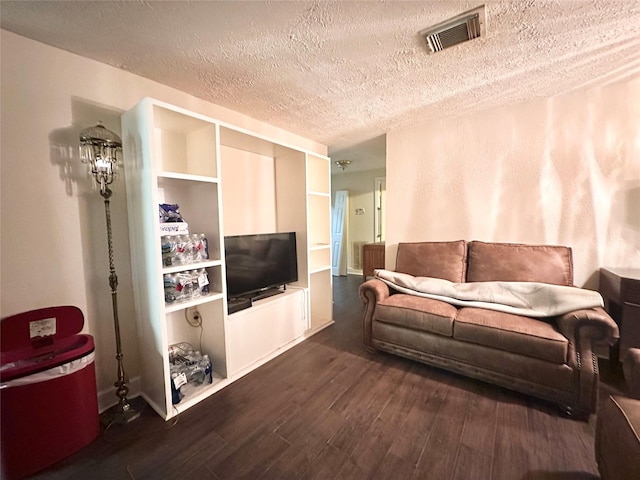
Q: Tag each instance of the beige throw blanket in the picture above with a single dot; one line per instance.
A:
(529, 299)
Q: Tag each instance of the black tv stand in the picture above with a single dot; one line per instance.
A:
(270, 292)
(242, 302)
(236, 304)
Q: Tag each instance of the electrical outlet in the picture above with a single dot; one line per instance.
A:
(193, 316)
(359, 211)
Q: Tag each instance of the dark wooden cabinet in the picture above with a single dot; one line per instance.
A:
(372, 258)
(620, 288)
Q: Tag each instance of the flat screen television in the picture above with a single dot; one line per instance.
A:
(261, 262)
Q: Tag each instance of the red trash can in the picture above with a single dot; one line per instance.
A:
(48, 396)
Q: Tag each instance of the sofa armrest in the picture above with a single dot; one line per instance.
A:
(617, 445)
(371, 292)
(585, 328)
(590, 323)
(373, 289)
(631, 369)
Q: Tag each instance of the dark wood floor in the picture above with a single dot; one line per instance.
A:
(328, 409)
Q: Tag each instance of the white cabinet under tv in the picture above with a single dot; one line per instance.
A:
(228, 182)
(254, 335)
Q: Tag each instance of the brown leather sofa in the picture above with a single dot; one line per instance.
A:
(618, 427)
(549, 358)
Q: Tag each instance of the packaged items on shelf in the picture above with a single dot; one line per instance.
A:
(186, 285)
(202, 246)
(171, 221)
(188, 367)
(203, 281)
(184, 249)
(170, 213)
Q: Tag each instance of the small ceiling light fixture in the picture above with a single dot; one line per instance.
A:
(459, 29)
(343, 164)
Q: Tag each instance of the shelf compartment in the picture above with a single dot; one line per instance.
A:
(321, 296)
(319, 246)
(318, 174)
(177, 306)
(192, 266)
(250, 142)
(319, 194)
(214, 274)
(319, 258)
(212, 332)
(319, 269)
(186, 176)
(198, 202)
(196, 393)
(319, 223)
(184, 144)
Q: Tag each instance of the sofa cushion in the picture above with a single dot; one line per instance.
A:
(446, 260)
(417, 313)
(512, 333)
(478, 361)
(511, 262)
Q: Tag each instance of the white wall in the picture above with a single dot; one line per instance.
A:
(53, 238)
(361, 185)
(249, 179)
(563, 170)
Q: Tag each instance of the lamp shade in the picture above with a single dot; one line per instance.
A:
(100, 150)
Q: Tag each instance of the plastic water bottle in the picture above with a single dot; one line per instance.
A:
(182, 250)
(196, 248)
(196, 290)
(203, 245)
(203, 281)
(168, 247)
(206, 365)
(171, 288)
(193, 254)
(176, 394)
(185, 286)
(190, 249)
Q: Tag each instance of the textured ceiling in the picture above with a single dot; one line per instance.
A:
(345, 72)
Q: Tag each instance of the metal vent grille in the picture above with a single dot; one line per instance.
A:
(356, 254)
(462, 28)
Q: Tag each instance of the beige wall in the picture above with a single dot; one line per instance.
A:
(360, 185)
(53, 247)
(563, 170)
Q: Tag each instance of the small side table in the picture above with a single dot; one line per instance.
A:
(620, 289)
(372, 258)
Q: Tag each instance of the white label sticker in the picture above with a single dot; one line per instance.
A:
(180, 380)
(42, 328)
(203, 280)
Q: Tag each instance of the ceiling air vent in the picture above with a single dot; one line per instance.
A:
(459, 29)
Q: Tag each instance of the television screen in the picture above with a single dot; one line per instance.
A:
(259, 262)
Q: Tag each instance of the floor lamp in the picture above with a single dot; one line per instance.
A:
(100, 150)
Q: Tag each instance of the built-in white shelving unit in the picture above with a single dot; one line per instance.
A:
(227, 181)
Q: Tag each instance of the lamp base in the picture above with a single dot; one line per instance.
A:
(119, 415)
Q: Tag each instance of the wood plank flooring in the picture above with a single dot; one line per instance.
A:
(328, 409)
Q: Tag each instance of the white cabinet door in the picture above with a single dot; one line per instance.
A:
(257, 333)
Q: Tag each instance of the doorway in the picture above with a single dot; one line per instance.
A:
(339, 233)
(379, 194)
